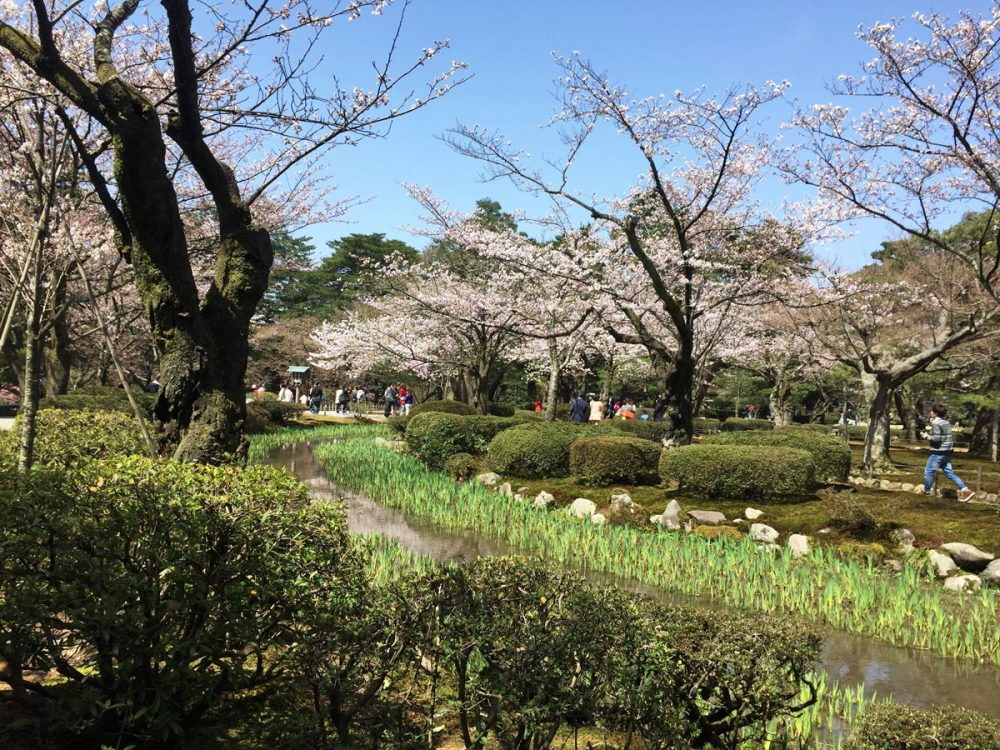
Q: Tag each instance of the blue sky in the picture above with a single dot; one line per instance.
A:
(650, 47)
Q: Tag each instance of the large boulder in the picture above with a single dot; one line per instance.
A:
(753, 514)
(799, 545)
(707, 516)
(543, 499)
(598, 519)
(506, 490)
(903, 539)
(968, 557)
(582, 508)
(670, 517)
(490, 478)
(968, 582)
(991, 576)
(761, 532)
(944, 566)
(622, 503)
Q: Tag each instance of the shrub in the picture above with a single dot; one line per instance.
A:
(739, 471)
(461, 466)
(606, 460)
(66, 437)
(862, 551)
(434, 436)
(705, 426)
(268, 413)
(100, 398)
(150, 572)
(719, 532)
(445, 406)
(890, 726)
(831, 455)
(824, 429)
(533, 449)
(851, 517)
(501, 410)
(735, 424)
(397, 423)
(654, 431)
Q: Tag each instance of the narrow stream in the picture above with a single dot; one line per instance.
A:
(919, 678)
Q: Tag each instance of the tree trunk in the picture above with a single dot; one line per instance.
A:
(877, 394)
(680, 387)
(58, 359)
(781, 401)
(994, 435)
(704, 386)
(609, 377)
(30, 393)
(551, 393)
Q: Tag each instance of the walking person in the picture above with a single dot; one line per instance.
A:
(942, 446)
(596, 410)
(390, 400)
(343, 401)
(315, 398)
(578, 410)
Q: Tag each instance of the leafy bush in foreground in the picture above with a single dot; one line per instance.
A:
(736, 424)
(534, 449)
(890, 726)
(66, 437)
(445, 406)
(739, 471)
(831, 455)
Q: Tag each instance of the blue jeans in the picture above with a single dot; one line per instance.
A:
(940, 461)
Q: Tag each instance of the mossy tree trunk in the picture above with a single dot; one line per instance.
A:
(201, 340)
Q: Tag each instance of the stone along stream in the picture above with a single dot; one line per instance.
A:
(919, 678)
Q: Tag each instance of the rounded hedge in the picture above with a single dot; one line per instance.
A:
(533, 449)
(461, 466)
(67, 437)
(655, 431)
(606, 460)
(100, 398)
(823, 429)
(739, 472)
(446, 406)
(705, 426)
(831, 455)
(501, 410)
(890, 726)
(736, 424)
(434, 436)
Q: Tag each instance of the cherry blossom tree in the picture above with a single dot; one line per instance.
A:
(687, 243)
(166, 86)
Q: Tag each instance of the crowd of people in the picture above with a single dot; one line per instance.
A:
(395, 399)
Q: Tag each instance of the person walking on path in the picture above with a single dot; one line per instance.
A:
(315, 398)
(578, 410)
(942, 446)
(596, 410)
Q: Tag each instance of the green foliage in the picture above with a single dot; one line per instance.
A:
(734, 424)
(398, 423)
(445, 406)
(159, 589)
(269, 413)
(501, 410)
(862, 552)
(100, 398)
(831, 455)
(719, 532)
(705, 426)
(67, 437)
(434, 436)
(823, 429)
(533, 449)
(739, 471)
(462, 466)
(851, 517)
(655, 431)
(890, 726)
(606, 460)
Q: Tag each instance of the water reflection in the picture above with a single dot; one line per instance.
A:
(918, 678)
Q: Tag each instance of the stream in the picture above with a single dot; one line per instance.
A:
(913, 677)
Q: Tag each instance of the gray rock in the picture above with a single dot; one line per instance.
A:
(522, 490)
(489, 478)
(761, 532)
(903, 539)
(943, 564)
(968, 557)
(824, 531)
(990, 498)
(967, 582)
(896, 566)
(907, 487)
(505, 490)
(707, 516)
(895, 486)
(543, 499)
(622, 502)
(884, 484)
(991, 575)
(520, 498)
(753, 514)
(670, 517)
(598, 519)
(381, 441)
(799, 545)
(582, 508)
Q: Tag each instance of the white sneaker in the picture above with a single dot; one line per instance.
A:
(966, 495)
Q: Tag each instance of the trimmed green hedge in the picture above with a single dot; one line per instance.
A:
(607, 460)
(706, 426)
(739, 471)
(434, 436)
(831, 455)
(461, 466)
(269, 413)
(66, 437)
(100, 398)
(823, 429)
(649, 430)
(501, 410)
(445, 406)
(890, 726)
(534, 449)
(735, 424)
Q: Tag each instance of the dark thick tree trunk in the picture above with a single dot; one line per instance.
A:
(679, 391)
(32, 370)
(878, 392)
